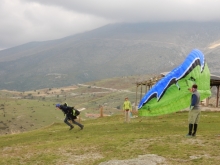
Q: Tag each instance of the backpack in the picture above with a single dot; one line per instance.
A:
(76, 112)
(65, 104)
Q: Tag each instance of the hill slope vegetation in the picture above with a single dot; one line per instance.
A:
(108, 138)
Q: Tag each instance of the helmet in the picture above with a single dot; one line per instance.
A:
(57, 105)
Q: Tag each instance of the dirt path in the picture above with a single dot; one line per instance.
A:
(111, 89)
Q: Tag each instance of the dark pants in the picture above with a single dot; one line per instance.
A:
(72, 118)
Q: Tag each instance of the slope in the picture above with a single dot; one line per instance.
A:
(108, 138)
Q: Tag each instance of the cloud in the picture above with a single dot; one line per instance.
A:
(143, 10)
(38, 20)
(26, 22)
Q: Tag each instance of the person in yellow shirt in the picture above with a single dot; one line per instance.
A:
(127, 109)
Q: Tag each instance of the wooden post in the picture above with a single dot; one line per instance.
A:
(136, 97)
(141, 92)
(101, 110)
(146, 87)
(217, 97)
(207, 102)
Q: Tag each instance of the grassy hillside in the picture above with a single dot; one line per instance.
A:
(19, 115)
(110, 138)
(29, 110)
(33, 132)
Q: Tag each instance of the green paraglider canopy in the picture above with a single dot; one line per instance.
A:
(171, 93)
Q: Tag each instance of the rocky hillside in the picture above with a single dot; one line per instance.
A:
(110, 51)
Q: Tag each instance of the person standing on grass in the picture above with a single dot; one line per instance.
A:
(194, 112)
(71, 114)
(127, 109)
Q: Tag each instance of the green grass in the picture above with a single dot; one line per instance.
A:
(20, 115)
(35, 140)
(30, 110)
(110, 138)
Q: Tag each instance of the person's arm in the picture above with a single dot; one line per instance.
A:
(193, 102)
(62, 109)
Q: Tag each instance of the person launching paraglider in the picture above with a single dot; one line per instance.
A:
(71, 114)
(194, 112)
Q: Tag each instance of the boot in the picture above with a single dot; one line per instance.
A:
(194, 129)
(71, 127)
(190, 130)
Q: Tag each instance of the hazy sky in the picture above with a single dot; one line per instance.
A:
(23, 21)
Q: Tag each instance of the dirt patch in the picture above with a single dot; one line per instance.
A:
(193, 140)
(149, 159)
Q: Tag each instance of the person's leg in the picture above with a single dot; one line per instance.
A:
(129, 113)
(125, 112)
(194, 129)
(190, 120)
(66, 121)
(190, 130)
(80, 125)
(196, 118)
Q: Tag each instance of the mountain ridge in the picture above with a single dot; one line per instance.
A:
(113, 50)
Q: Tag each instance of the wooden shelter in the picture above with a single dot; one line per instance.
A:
(215, 81)
(147, 84)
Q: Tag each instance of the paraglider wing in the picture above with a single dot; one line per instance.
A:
(171, 93)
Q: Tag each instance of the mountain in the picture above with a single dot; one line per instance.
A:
(114, 50)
